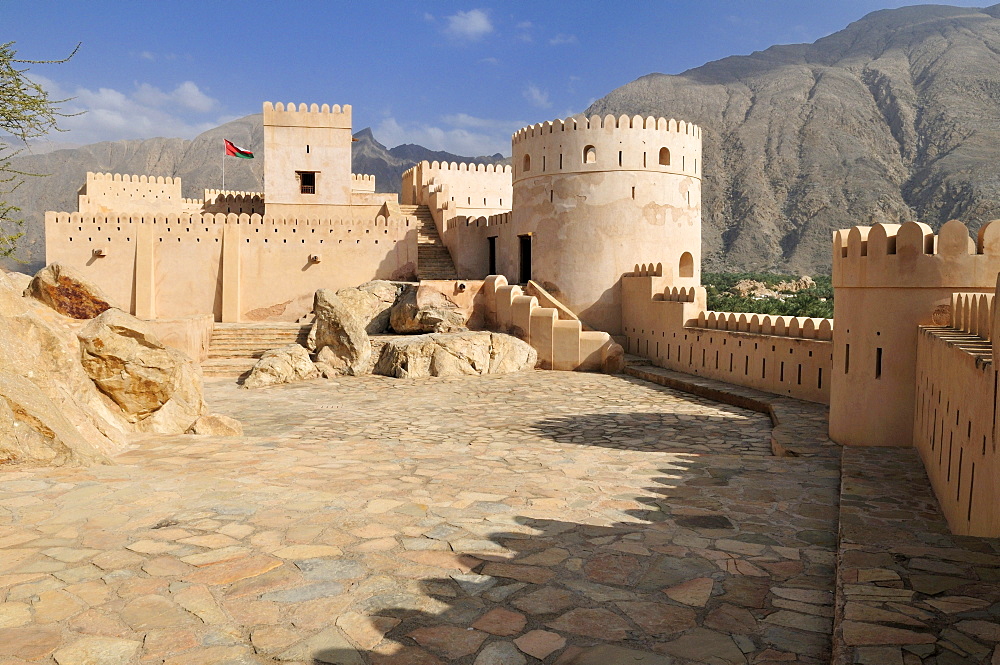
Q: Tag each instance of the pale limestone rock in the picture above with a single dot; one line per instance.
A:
(341, 329)
(216, 424)
(19, 280)
(454, 354)
(68, 292)
(387, 293)
(284, 365)
(50, 410)
(159, 389)
(426, 311)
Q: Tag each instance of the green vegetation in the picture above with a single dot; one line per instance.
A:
(723, 296)
(26, 112)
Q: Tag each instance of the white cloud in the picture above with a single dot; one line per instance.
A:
(470, 25)
(562, 38)
(106, 114)
(537, 96)
(471, 121)
(461, 134)
(525, 25)
(147, 55)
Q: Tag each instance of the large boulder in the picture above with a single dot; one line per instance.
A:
(454, 354)
(424, 311)
(340, 328)
(158, 389)
(285, 365)
(67, 291)
(50, 410)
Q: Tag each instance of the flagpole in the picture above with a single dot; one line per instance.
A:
(223, 168)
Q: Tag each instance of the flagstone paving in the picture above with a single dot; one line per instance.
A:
(551, 517)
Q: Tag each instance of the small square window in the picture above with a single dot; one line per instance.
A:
(307, 181)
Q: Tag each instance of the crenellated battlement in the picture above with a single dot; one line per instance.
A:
(911, 255)
(647, 270)
(212, 194)
(90, 223)
(973, 313)
(608, 122)
(657, 146)
(127, 178)
(311, 115)
(362, 183)
(452, 166)
(767, 324)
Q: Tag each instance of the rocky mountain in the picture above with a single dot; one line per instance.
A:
(894, 118)
(198, 162)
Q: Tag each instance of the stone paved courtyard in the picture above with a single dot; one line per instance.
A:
(539, 517)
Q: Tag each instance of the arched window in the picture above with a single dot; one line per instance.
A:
(590, 155)
(686, 267)
(664, 157)
(527, 163)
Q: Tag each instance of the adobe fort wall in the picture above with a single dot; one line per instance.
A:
(591, 196)
(671, 326)
(313, 140)
(234, 267)
(955, 402)
(888, 280)
(104, 193)
(455, 193)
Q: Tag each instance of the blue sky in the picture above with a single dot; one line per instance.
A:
(451, 76)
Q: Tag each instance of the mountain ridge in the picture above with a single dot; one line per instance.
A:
(894, 118)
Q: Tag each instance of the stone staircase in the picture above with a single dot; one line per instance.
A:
(235, 347)
(433, 258)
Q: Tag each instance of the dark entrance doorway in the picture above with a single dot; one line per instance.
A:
(493, 255)
(525, 253)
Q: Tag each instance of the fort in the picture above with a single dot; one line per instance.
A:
(593, 235)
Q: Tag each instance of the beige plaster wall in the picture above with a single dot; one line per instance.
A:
(235, 268)
(306, 138)
(591, 221)
(889, 280)
(955, 401)
(454, 194)
(670, 326)
(105, 193)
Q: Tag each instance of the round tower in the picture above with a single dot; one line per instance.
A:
(594, 197)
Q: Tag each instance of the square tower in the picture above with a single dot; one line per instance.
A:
(307, 166)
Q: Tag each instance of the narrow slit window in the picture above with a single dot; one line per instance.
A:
(878, 362)
(847, 358)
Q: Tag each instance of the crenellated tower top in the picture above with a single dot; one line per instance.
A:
(311, 115)
(581, 145)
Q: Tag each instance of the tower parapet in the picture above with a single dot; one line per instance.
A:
(889, 279)
(311, 115)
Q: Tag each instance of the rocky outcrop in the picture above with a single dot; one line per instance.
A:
(340, 328)
(284, 365)
(454, 354)
(50, 410)
(65, 290)
(378, 309)
(19, 281)
(216, 424)
(424, 311)
(157, 388)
